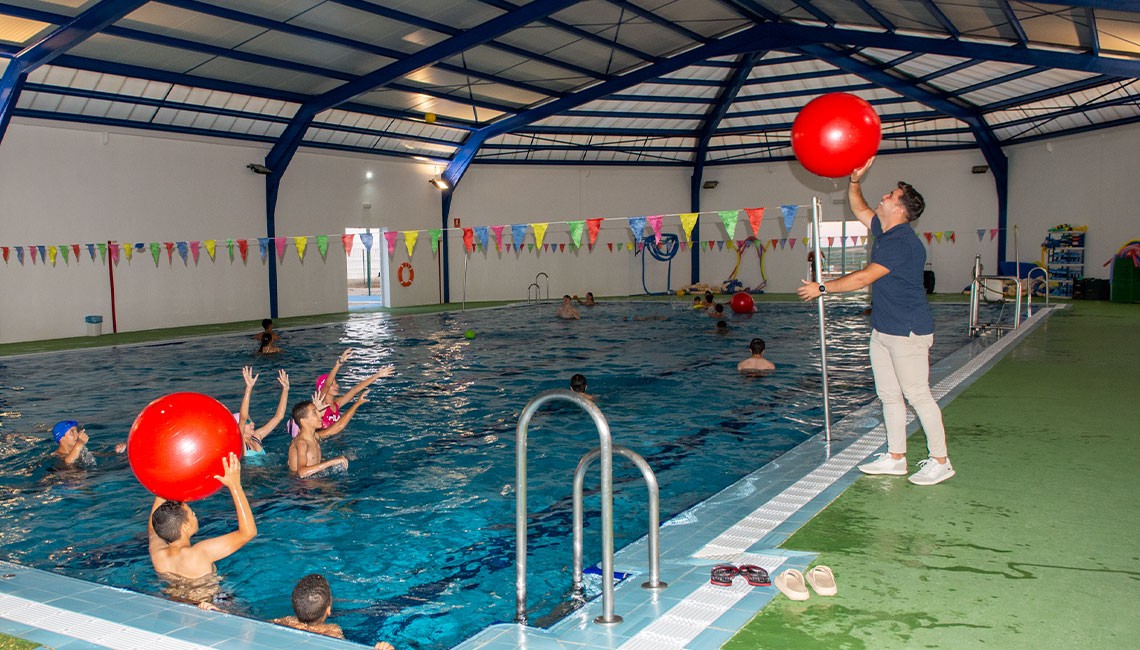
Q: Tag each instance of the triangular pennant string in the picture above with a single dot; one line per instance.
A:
(468, 239)
(263, 247)
(195, 251)
(539, 232)
(169, 252)
(729, 218)
(688, 220)
(637, 227)
(243, 249)
(482, 235)
(63, 250)
(43, 252)
(518, 235)
(183, 251)
(755, 218)
(498, 230)
(301, 243)
(938, 236)
(212, 248)
(655, 223)
(114, 250)
(593, 226)
(279, 242)
(347, 241)
(789, 212)
(792, 244)
(75, 249)
(435, 234)
(102, 251)
(928, 236)
(366, 242)
(155, 251)
(576, 232)
(52, 252)
(993, 233)
(391, 237)
(410, 237)
(323, 246)
(981, 234)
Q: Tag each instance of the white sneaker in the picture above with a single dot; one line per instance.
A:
(931, 472)
(885, 465)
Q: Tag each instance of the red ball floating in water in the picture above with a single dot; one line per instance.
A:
(742, 303)
(177, 444)
(835, 134)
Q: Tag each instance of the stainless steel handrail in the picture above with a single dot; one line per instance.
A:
(817, 269)
(974, 327)
(542, 274)
(607, 470)
(655, 582)
(1029, 282)
(537, 295)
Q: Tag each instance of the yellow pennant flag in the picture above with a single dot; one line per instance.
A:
(410, 237)
(128, 250)
(539, 233)
(51, 254)
(688, 220)
(210, 246)
(301, 243)
(629, 246)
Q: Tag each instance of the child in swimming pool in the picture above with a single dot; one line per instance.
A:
(72, 441)
(328, 391)
(755, 364)
(312, 605)
(267, 338)
(251, 437)
(578, 385)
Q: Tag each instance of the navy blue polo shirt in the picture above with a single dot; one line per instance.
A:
(898, 299)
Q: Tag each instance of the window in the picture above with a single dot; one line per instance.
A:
(841, 253)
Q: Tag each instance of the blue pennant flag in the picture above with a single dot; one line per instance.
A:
(481, 235)
(789, 212)
(518, 234)
(637, 225)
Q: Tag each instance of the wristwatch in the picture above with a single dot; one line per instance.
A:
(822, 289)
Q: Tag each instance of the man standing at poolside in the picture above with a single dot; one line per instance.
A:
(902, 327)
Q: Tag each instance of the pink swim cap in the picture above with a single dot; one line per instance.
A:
(321, 382)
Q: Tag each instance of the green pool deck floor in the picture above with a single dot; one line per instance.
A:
(1035, 543)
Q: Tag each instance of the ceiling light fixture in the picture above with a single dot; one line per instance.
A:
(259, 169)
(439, 183)
(710, 185)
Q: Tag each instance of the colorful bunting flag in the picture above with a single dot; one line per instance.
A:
(155, 251)
(323, 246)
(498, 230)
(279, 242)
(263, 247)
(196, 251)
(539, 232)
(468, 239)
(928, 236)
(655, 224)
(410, 237)
(518, 235)
(951, 234)
(243, 248)
(391, 237)
(792, 243)
(482, 236)
(347, 241)
(43, 253)
(301, 243)
(20, 255)
(688, 220)
(729, 218)
(4, 250)
(128, 252)
(102, 251)
(789, 212)
(114, 250)
(230, 245)
(755, 218)
(938, 236)
(576, 232)
(993, 233)
(637, 226)
(169, 252)
(435, 233)
(366, 242)
(593, 226)
(52, 252)
(981, 233)
(74, 249)
(183, 249)
(63, 250)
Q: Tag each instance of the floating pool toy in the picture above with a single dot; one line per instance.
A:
(469, 334)
(835, 134)
(742, 303)
(177, 444)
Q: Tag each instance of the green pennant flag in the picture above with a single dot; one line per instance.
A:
(435, 233)
(323, 245)
(155, 249)
(63, 251)
(230, 246)
(728, 218)
(576, 232)
(102, 252)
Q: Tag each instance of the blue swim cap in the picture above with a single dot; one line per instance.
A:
(61, 428)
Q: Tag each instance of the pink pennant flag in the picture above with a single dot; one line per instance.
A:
(195, 247)
(655, 223)
(792, 243)
(279, 242)
(347, 241)
(993, 233)
(34, 252)
(391, 237)
(755, 217)
(498, 230)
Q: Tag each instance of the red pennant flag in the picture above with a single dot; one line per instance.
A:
(755, 217)
(993, 233)
(347, 241)
(243, 248)
(952, 237)
(773, 243)
(611, 245)
(468, 239)
(592, 227)
(75, 251)
(928, 236)
(33, 249)
(169, 251)
(5, 251)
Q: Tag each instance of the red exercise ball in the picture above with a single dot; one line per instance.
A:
(835, 134)
(742, 303)
(177, 444)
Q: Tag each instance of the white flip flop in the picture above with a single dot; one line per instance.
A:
(822, 580)
(791, 584)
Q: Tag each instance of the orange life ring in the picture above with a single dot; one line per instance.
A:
(400, 275)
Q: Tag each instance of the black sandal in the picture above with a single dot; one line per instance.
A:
(756, 576)
(722, 575)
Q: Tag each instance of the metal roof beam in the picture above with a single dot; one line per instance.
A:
(719, 47)
(1114, 5)
(717, 112)
(325, 37)
(942, 18)
(819, 14)
(1014, 23)
(658, 20)
(1094, 33)
(876, 15)
(420, 21)
(1049, 93)
(581, 33)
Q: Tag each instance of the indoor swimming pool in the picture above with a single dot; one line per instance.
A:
(417, 538)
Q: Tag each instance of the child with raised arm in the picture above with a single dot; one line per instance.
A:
(250, 436)
(187, 566)
(328, 391)
(305, 451)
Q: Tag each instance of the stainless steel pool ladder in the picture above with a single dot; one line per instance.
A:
(976, 287)
(537, 294)
(605, 451)
(1045, 283)
(543, 274)
(655, 582)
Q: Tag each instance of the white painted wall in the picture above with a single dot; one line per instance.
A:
(63, 184)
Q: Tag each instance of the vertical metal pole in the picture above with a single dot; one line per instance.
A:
(816, 209)
(111, 274)
(368, 266)
(975, 285)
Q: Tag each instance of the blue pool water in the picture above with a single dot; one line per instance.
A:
(417, 538)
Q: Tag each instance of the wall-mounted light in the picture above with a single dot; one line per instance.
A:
(710, 185)
(259, 169)
(368, 175)
(439, 184)
(979, 169)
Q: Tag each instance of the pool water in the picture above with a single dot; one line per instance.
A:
(417, 538)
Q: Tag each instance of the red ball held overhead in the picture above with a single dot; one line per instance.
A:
(835, 134)
(742, 303)
(177, 444)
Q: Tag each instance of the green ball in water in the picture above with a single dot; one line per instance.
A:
(469, 334)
